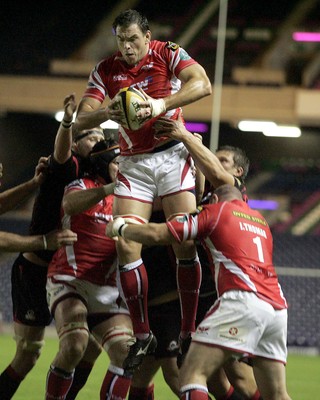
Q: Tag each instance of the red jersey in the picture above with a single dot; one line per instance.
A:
(240, 244)
(157, 74)
(92, 257)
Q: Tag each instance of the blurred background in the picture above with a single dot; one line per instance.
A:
(269, 56)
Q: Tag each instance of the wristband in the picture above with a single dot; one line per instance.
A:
(45, 244)
(118, 226)
(158, 106)
(66, 124)
(122, 229)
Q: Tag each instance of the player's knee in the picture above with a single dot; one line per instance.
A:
(29, 346)
(74, 339)
(116, 341)
(27, 354)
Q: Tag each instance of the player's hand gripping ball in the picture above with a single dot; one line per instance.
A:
(128, 100)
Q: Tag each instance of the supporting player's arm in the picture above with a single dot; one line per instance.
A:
(90, 114)
(11, 198)
(77, 201)
(196, 85)
(11, 242)
(205, 160)
(149, 234)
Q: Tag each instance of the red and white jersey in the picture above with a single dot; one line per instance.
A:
(240, 244)
(93, 256)
(157, 74)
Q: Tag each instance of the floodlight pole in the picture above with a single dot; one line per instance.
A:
(218, 76)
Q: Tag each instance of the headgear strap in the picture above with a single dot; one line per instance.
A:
(83, 135)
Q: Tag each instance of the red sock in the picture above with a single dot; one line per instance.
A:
(58, 383)
(256, 396)
(228, 395)
(137, 393)
(134, 283)
(194, 392)
(188, 282)
(115, 385)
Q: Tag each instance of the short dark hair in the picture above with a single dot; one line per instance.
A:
(129, 17)
(240, 158)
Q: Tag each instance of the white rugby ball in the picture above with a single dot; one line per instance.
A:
(129, 100)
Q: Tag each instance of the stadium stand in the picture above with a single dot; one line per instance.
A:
(297, 259)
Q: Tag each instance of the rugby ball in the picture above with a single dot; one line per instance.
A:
(128, 100)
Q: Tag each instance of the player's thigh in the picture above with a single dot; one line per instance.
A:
(271, 378)
(241, 376)
(181, 202)
(128, 250)
(69, 310)
(29, 332)
(130, 207)
(201, 362)
(176, 205)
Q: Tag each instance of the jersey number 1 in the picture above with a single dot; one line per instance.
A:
(257, 242)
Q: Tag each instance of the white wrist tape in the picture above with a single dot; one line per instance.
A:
(45, 244)
(158, 106)
(118, 227)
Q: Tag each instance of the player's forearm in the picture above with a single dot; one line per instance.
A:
(149, 234)
(63, 142)
(87, 119)
(192, 92)
(204, 159)
(81, 200)
(14, 196)
(11, 242)
(200, 185)
(141, 234)
(207, 162)
(195, 86)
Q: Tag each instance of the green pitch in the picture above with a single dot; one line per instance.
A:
(302, 375)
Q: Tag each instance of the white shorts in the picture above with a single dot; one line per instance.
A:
(98, 299)
(146, 176)
(241, 322)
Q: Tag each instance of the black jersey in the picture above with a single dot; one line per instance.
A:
(47, 205)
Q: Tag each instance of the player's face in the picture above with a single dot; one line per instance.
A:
(132, 43)
(226, 159)
(113, 169)
(85, 145)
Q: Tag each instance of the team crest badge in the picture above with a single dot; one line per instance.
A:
(172, 46)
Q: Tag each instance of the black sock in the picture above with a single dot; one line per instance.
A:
(9, 383)
(80, 377)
